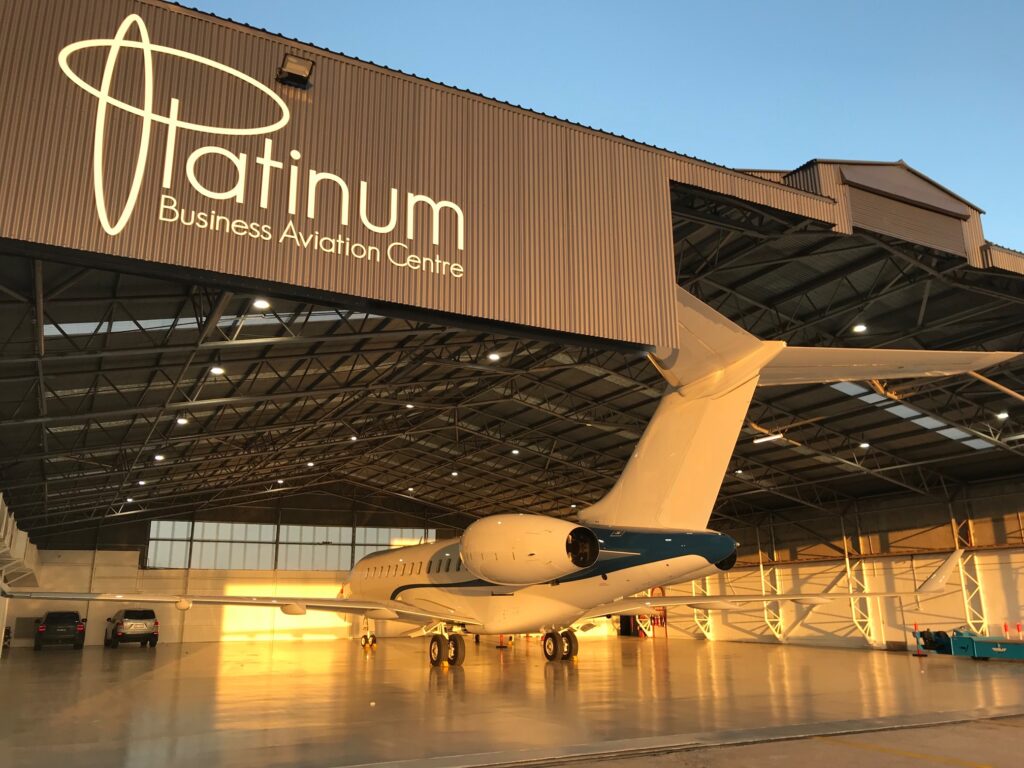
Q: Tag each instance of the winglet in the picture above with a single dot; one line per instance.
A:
(937, 580)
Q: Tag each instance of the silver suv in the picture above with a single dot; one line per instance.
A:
(134, 625)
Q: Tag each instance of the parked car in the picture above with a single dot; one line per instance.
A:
(134, 625)
(60, 628)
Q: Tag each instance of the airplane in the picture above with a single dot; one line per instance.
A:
(524, 573)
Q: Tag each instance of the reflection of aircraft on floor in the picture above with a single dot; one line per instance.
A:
(524, 573)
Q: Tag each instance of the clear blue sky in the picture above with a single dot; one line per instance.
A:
(939, 84)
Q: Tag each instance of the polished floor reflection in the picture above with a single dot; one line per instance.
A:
(331, 704)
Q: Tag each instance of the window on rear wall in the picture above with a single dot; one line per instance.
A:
(258, 546)
(233, 546)
(315, 548)
(168, 544)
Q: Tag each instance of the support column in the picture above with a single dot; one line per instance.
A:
(771, 582)
(856, 578)
(702, 616)
(962, 524)
(3, 618)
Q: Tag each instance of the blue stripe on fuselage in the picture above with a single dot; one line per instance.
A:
(648, 546)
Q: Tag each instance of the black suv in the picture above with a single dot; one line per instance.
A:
(60, 628)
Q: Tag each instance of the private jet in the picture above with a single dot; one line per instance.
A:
(527, 573)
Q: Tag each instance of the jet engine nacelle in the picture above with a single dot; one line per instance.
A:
(517, 550)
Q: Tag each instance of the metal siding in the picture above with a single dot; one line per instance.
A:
(907, 222)
(1003, 258)
(549, 209)
(746, 187)
(974, 240)
(566, 229)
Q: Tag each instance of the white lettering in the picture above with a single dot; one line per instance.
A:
(392, 211)
(435, 209)
(239, 161)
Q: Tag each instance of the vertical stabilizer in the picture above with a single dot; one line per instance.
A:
(674, 475)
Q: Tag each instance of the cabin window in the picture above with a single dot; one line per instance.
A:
(458, 565)
(419, 568)
(430, 563)
(404, 566)
(447, 565)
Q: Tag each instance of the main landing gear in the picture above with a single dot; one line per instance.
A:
(446, 646)
(560, 646)
(450, 650)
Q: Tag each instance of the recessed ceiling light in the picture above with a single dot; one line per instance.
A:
(515, 451)
(455, 474)
(142, 482)
(217, 370)
(739, 472)
(129, 499)
(353, 438)
(859, 328)
(494, 357)
(409, 405)
(310, 464)
(261, 304)
(182, 421)
(572, 506)
(280, 482)
(865, 445)
(410, 489)
(158, 457)
(1002, 415)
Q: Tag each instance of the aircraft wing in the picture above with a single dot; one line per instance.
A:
(639, 606)
(373, 609)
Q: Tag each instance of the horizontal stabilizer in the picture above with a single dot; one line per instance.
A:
(639, 606)
(810, 365)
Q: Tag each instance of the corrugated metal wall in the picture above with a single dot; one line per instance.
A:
(566, 228)
(907, 222)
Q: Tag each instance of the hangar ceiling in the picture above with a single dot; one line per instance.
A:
(102, 371)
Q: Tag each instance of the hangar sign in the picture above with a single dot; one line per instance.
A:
(145, 131)
(262, 172)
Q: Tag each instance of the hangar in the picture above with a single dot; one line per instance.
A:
(267, 309)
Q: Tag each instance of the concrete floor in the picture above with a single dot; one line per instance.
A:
(331, 704)
(975, 744)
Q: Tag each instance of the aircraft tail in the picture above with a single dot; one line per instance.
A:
(674, 475)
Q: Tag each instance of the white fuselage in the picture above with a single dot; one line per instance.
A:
(433, 576)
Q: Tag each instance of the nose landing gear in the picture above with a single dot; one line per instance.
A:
(368, 639)
(560, 646)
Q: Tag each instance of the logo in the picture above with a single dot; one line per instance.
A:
(104, 102)
(329, 205)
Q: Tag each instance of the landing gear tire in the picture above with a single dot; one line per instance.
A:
(373, 640)
(368, 640)
(552, 645)
(570, 645)
(438, 650)
(456, 651)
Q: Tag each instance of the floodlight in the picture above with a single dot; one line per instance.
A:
(295, 71)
